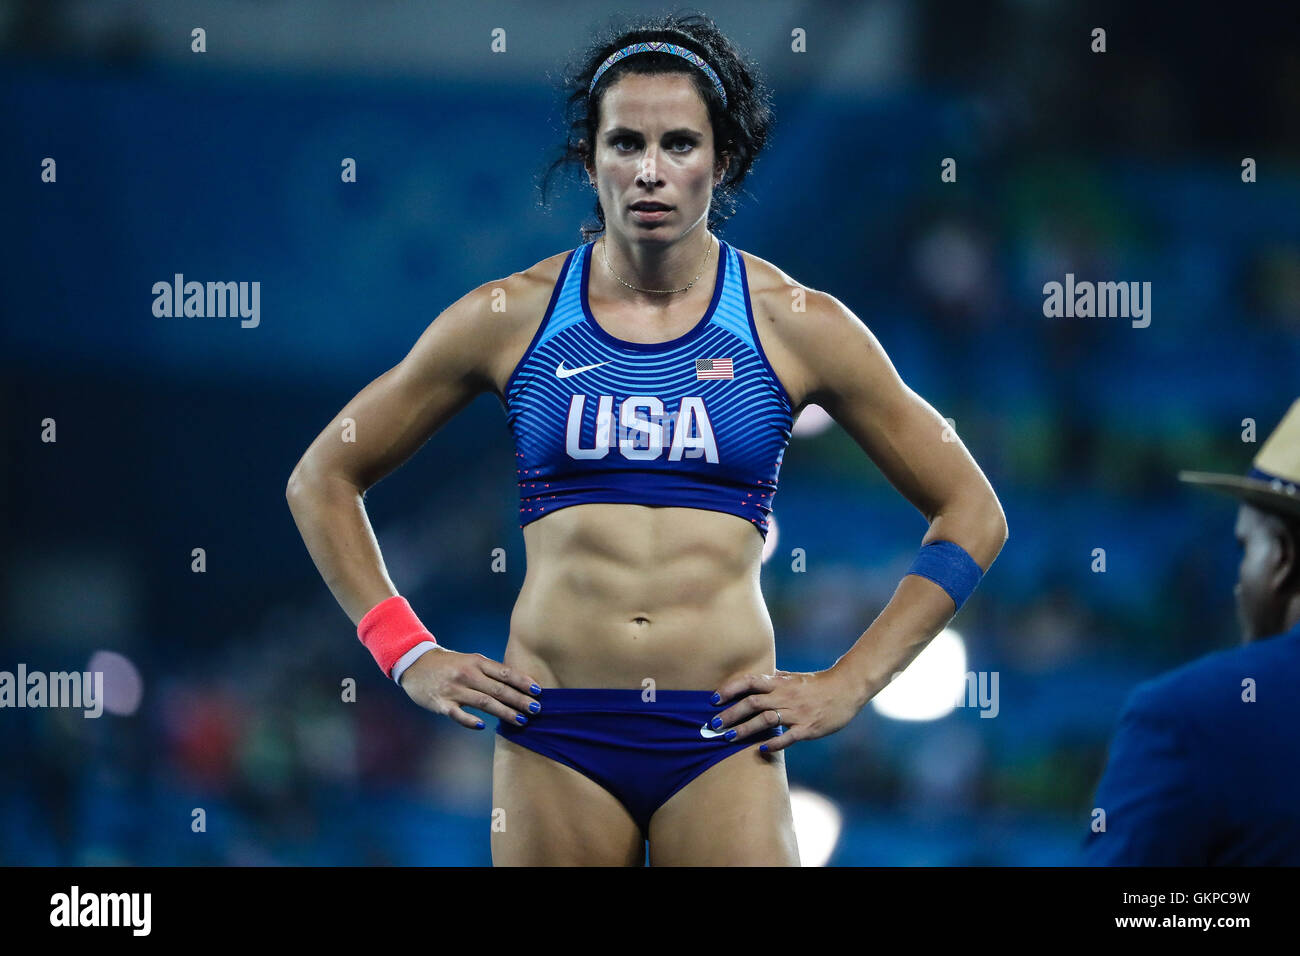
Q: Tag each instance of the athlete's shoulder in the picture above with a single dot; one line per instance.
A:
(541, 276)
(514, 306)
(516, 301)
(763, 276)
(800, 321)
(777, 295)
(523, 287)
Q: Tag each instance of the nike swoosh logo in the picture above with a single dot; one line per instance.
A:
(706, 732)
(562, 372)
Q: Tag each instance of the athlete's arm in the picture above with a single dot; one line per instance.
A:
(848, 374)
(376, 431)
(379, 429)
(838, 364)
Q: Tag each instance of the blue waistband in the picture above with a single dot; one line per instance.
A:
(573, 699)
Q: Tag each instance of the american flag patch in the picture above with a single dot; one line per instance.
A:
(713, 368)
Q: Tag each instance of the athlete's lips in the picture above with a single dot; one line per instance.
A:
(645, 205)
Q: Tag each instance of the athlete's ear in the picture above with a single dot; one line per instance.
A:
(588, 161)
(721, 166)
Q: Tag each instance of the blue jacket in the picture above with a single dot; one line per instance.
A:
(1198, 776)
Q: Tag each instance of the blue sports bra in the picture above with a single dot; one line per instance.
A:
(700, 421)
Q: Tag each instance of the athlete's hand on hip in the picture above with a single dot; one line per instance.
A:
(445, 681)
(811, 705)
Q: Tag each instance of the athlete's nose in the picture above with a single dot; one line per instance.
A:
(646, 175)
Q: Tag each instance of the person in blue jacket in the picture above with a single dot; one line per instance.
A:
(1204, 768)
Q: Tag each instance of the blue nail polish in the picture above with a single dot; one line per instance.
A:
(717, 698)
(480, 725)
(534, 706)
(715, 723)
(534, 688)
(520, 719)
(730, 734)
(763, 748)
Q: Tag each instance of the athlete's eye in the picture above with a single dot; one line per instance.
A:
(688, 143)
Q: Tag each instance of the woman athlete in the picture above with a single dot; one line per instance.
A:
(650, 381)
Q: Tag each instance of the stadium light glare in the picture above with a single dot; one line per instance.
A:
(931, 686)
(817, 825)
(123, 686)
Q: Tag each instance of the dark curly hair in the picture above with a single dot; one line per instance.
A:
(740, 129)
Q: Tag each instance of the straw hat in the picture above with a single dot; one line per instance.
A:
(1273, 482)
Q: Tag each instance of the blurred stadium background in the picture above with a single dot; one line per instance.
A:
(180, 433)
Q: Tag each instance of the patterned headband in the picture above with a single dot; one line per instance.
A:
(661, 47)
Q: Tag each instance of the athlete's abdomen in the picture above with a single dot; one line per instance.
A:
(618, 595)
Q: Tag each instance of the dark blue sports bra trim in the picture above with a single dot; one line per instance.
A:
(753, 330)
(686, 337)
(541, 326)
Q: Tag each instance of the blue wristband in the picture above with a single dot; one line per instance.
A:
(949, 566)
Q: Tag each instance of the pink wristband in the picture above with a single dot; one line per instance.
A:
(389, 630)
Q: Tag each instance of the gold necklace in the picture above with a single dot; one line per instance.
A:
(687, 287)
